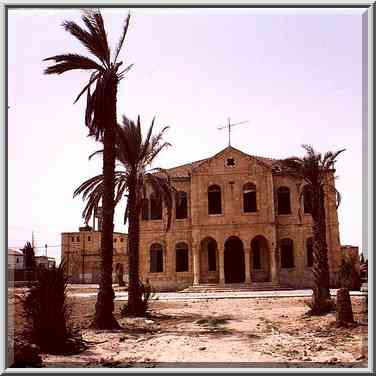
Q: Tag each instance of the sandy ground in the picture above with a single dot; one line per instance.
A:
(204, 333)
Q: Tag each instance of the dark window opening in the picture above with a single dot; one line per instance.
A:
(72, 238)
(310, 252)
(249, 198)
(145, 209)
(155, 208)
(307, 200)
(156, 258)
(115, 240)
(287, 253)
(212, 256)
(181, 257)
(78, 238)
(181, 205)
(214, 200)
(88, 238)
(230, 162)
(256, 258)
(121, 239)
(284, 206)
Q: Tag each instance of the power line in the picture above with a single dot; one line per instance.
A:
(48, 246)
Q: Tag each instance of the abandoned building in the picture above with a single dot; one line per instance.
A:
(81, 254)
(238, 219)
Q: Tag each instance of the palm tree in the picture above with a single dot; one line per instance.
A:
(136, 180)
(101, 119)
(314, 170)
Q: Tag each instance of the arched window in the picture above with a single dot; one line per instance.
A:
(283, 198)
(145, 209)
(287, 253)
(212, 255)
(214, 200)
(181, 257)
(181, 205)
(156, 258)
(307, 200)
(310, 252)
(249, 198)
(155, 207)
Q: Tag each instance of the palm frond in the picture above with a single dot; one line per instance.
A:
(122, 38)
(93, 77)
(94, 40)
(67, 62)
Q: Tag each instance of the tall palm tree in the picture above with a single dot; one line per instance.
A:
(315, 169)
(136, 179)
(101, 119)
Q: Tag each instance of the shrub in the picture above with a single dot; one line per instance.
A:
(50, 315)
(327, 306)
(147, 294)
(348, 276)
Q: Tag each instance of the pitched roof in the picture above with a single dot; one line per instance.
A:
(14, 252)
(183, 171)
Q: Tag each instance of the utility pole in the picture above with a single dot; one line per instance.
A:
(83, 258)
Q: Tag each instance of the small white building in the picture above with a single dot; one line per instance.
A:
(15, 259)
(47, 262)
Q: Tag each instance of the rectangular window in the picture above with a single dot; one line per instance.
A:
(287, 256)
(145, 209)
(88, 238)
(155, 208)
(156, 260)
(78, 238)
(250, 202)
(181, 206)
(72, 238)
(182, 260)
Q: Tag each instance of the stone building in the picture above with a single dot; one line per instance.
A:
(238, 219)
(81, 253)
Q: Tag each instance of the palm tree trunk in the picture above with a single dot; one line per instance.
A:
(321, 294)
(135, 306)
(104, 318)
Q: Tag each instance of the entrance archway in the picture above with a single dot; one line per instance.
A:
(209, 271)
(260, 260)
(234, 261)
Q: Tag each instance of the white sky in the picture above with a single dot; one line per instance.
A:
(296, 75)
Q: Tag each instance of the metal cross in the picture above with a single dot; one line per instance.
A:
(229, 126)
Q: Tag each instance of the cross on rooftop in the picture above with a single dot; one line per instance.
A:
(229, 126)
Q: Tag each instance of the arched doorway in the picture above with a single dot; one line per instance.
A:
(234, 261)
(260, 260)
(209, 265)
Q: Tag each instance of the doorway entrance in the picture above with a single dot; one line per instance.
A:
(234, 261)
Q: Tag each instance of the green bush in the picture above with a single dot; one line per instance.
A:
(147, 294)
(50, 314)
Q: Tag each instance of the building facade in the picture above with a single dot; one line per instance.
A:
(81, 254)
(237, 218)
(15, 259)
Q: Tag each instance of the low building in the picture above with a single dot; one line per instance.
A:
(47, 262)
(81, 254)
(16, 259)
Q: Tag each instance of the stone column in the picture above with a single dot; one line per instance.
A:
(196, 263)
(247, 252)
(221, 257)
(273, 265)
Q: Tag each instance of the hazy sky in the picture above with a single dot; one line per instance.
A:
(296, 75)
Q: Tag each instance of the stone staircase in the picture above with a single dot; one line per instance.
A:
(236, 287)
